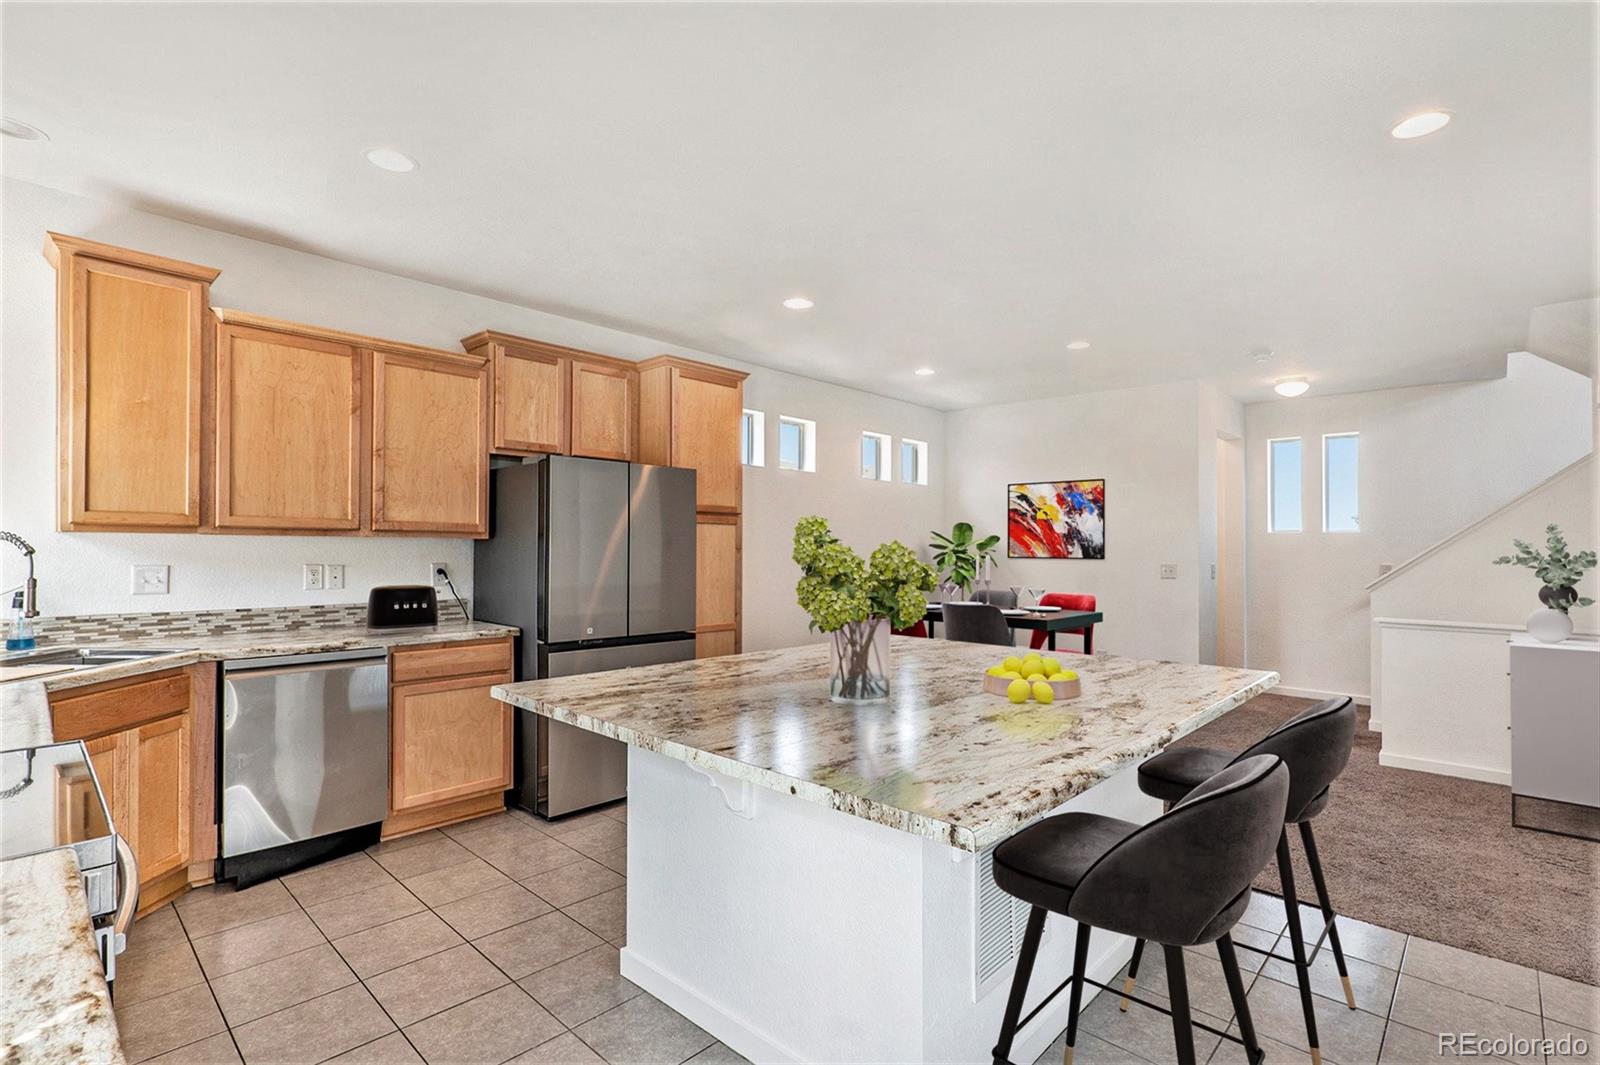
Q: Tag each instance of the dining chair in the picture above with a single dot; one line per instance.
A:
(976, 623)
(919, 629)
(1004, 598)
(1068, 601)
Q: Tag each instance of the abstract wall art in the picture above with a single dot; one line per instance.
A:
(1056, 519)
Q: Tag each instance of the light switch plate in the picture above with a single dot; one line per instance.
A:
(335, 576)
(152, 580)
(312, 579)
(1169, 571)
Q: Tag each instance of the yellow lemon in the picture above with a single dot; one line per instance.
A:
(1011, 674)
(996, 671)
(1033, 677)
(1012, 663)
(1058, 675)
(1052, 665)
(1017, 691)
(1043, 692)
(1032, 664)
(1068, 674)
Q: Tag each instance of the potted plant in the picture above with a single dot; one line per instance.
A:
(857, 603)
(958, 558)
(1559, 571)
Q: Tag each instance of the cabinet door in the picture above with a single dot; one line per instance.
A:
(449, 739)
(602, 410)
(132, 356)
(530, 401)
(430, 445)
(110, 756)
(159, 796)
(716, 574)
(288, 431)
(705, 436)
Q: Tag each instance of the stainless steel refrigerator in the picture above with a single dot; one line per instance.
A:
(595, 562)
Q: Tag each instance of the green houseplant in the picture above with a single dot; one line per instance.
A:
(856, 603)
(1559, 570)
(959, 558)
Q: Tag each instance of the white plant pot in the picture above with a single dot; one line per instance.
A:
(1549, 626)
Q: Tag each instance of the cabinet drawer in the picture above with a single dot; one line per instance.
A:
(450, 660)
(118, 706)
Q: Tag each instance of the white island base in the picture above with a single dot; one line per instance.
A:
(794, 932)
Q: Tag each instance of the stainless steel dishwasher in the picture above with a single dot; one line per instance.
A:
(305, 759)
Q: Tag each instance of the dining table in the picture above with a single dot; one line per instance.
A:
(1048, 620)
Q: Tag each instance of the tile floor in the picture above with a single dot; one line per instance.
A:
(497, 940)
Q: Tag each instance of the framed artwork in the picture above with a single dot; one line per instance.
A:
(1056, 519)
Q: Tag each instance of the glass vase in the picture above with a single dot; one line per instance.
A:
(859, 656)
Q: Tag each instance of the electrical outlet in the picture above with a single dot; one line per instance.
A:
(313, 578)
(439, 583)
(1169, 571)
(1213, 571)
(151, 580)
(335, 576)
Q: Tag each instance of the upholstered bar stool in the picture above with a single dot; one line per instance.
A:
(976, 623)
(1315, 744)
(1181, 880)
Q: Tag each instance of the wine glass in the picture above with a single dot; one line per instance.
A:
(1037, 593)
(1016, 593)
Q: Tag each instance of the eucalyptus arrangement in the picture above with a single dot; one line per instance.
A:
(958, 557)
(1559, 570)
(856, 603)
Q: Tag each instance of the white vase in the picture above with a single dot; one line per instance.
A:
(1549, 626)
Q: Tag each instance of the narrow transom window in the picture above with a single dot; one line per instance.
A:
(1341, 509)
(753, 438)
(914, 461)
(1283, 485)
(797, 444)
(875, 456)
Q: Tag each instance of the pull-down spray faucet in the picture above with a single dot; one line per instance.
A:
(30, 589)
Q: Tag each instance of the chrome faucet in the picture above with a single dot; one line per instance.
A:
(30, 588)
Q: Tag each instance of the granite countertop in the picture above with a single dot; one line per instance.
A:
(940, 759)
(57, 1006)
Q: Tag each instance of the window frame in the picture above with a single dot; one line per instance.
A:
(753, 436)
(1351, 435)
(884, 463)
(808, 443)
(1272, 484)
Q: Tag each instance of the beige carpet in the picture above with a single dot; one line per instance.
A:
(1437, 857)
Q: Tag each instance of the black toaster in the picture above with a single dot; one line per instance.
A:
(394, 605)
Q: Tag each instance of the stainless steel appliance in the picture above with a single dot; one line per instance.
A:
(51, 798)
(595, 562)
(305, 759)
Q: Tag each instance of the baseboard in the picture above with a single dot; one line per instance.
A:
(1374, 724)
(1445, 769)
(1314, 693)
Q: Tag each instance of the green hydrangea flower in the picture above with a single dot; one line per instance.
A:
(836, 587)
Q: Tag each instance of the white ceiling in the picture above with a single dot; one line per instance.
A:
(961, 187)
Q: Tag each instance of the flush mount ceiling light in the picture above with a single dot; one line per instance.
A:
(1291, 387)
(924, 371)
(21, 131)
(1261, 356)
(1077, 345)
(389, 159)
(1421, 125)
(798, 303)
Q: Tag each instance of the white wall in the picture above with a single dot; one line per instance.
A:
(1145, 443)
(88, 572)
(1433, 460)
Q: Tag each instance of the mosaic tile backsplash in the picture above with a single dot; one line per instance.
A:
(106, 628)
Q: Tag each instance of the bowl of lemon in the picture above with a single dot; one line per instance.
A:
(1031, 676)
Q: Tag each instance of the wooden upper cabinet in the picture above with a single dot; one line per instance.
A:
(131, 333)
(530, 385)
(288, 429)
(430, 442)
(689, 416)
(603, 408)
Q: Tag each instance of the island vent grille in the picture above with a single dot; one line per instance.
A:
(999, 922)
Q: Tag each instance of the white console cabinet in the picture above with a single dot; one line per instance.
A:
(1555, 736)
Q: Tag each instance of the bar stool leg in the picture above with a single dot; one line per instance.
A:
(1133, 974)
(1310, 843)
(1241, 1004)
(1297, 944)
(1178, 993)
(1080, 962)
(1019, 984)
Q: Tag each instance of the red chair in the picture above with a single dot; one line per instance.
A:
(1068, 601)
(919, 629)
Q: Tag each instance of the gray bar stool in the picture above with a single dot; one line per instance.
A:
(976, 623)
(1180, 880)
(1316, 745)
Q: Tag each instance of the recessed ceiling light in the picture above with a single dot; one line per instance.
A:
(1291, 387)
(1261, 356)
(798, 303)
(1077, 345)
(1421, 125)
(10, 127)
(389, 159)
(924, 371)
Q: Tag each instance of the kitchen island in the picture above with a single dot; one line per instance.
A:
(810, 881)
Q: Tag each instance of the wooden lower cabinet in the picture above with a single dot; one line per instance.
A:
(146, 772)
(450, 741)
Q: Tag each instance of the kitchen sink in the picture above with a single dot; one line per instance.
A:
(76, 657)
